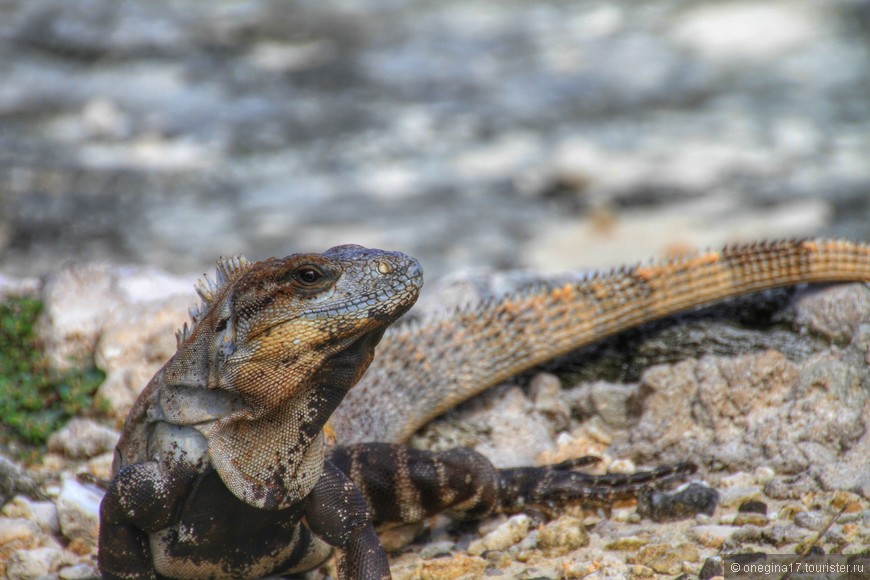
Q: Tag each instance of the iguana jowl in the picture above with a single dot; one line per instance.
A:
(222, 455)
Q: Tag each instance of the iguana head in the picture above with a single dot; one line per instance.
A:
(270, 354)
(284, 321)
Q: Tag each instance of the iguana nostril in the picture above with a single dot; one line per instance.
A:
(384, 267)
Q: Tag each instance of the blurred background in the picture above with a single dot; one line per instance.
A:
(494, 133)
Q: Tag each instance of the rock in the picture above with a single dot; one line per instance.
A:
(685, 503)
(562, 536)
(605, 399)
(78, 511)
(811, 520)
(783, 487)
(712, 567)
(713, 536)
(15, 480)
(835, 311)
(20, 531)
(732, 496)
(750, 519)
(436, 549)
(497, 558)
(457, 566)
(135, 343)
(665, 558)
(545, 390)
(517, 432)
(728, 411)
(100, 467)
(396, 538)
(42, 513)
(78, 572)
(123, 319)
(764, 474)
(83, 439)
(627, 544)
(737, 479)
(32, 564)
(10, 286)
(77, 300)
(753, 506)
(507, 534)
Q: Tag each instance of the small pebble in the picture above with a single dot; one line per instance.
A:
(17, 530)
(506, 535)
(43, 513)
(811, 520)
(714, 536)
(713, 566)
(753, 506)
(35, 563)
(750, 519)
(77, 572)
(627, 544)
(665, 558)
(695, 498)
(733, 496)
(562, 536)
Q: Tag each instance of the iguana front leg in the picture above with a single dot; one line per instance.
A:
(336, 512)
(142, 498)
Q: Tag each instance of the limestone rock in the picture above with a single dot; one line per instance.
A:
(123, 319)
(517, 432)
(78, 572)
(18, 531)
(33, 564)
(83, 439)
(507, 534)
(42, 513)
(78, 511)
(665, 558)
(759, 409)
(835, 311)
(562, 536)
(15, 480)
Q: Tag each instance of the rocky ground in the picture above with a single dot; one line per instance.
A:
(142, 139)
(769, 395)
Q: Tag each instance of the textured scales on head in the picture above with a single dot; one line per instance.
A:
(228, 269)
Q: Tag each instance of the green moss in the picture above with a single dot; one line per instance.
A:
(34, 400)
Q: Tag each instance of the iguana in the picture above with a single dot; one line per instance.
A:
(222, 470)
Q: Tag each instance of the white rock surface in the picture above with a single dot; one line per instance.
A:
(78, 510)
(17, 529)
(504, 536)
(122, 318)
(83, 439)
(32, 564)
(518, 433)
(42, 513)
(77, 572)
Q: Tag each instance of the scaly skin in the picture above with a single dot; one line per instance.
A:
(423, 369)
(221, 468)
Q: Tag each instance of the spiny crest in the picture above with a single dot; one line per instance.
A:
(228, 269)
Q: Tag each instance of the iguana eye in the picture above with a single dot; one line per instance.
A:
(307, 275)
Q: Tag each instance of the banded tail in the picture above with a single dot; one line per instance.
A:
(423, 369)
